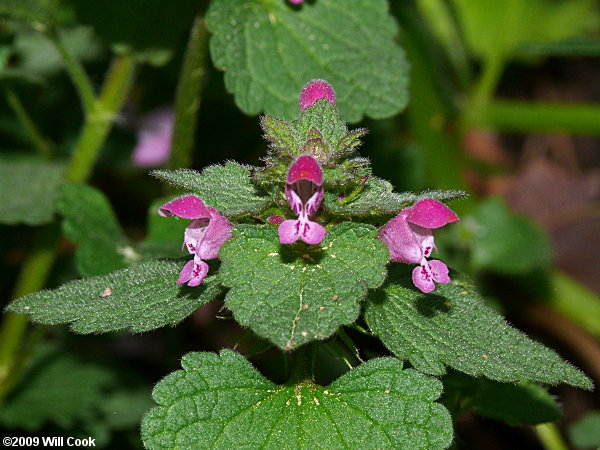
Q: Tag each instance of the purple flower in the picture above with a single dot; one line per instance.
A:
(203, 236)
(154, 138)
(315, 90)
(410, 240)
(304, 191)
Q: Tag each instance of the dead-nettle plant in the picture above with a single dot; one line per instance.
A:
(302, 248)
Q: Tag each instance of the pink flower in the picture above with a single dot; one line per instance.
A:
(315, 90)
(410, 240)
(304, 191)
(203, 236)
(154, 138)
(296, 2)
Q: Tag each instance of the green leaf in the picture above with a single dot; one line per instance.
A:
(269, 50)
(294, 294)
(280, 134)
(323, 116)
(515, 404)
(141, 297)
(29, 190)
(223, 402)
(148, 28)
(505, 242)
(290, 138)
(378, 197)
(495, 30)
(453, 326)
(585, 433)
(227, 188)
(59, 387)
(90, 221)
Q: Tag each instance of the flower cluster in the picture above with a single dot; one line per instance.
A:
(408, 236)
(203, 236)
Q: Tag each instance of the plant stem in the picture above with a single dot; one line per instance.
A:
(301, 365)
(485, 87)
(550, 437)
(33, 275)
(37, 266)
(41, 144)
(528, 117)
(99, 122)
(78, 75)
(189, 96)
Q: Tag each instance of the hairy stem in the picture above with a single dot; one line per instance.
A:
(33, 275)
(37, 266)
(527, 117)
(76, 71)
(41, 144)
(301, 365)
(99, 122)
(189, 96)
(550, 437)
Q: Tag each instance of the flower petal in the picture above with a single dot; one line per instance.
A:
(429, 213)
(305, 168)
(404, 245)
(186, 272)
(439, 271)
(289, 231)
(199, 272)
(154, 139)
(217, 232)
(194, 234)
(313, 91)
(312, 232)
(188, 207)
(423, 278)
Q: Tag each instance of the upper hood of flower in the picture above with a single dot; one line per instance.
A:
(207, 232)
(429, 213)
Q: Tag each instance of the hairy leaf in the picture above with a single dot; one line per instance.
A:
(141, 297)
(29, 190)
(223, 402)
(227, 188)
(515, 404)
(269, 50)
(324, 117)
(90, 221)
(452, 326)
(378, 197)
(294, 294)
